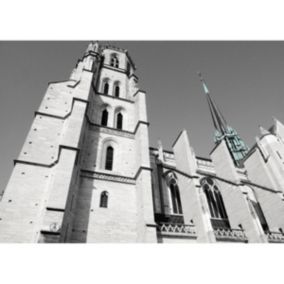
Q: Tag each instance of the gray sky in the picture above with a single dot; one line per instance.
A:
(244, 78)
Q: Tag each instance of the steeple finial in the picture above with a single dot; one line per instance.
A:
(206, 90)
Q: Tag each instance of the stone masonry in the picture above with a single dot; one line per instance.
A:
(86, 172)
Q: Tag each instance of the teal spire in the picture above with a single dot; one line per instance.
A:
(218, 119)
(235, 144)
(206, 90)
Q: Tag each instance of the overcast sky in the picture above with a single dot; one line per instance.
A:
(245, 79)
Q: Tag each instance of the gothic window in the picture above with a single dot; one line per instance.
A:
(215, 202)
(104, 199)
(175, 199)
(119, 121)
(260, 215)
(106, 88)
(114, 61)
(104, 117)
(109, 158)
(116, 91)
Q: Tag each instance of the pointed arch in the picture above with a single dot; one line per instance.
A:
(109, 154)
(104, 199)
(220, 204)
(105, 83)
(109, 158)
(106, 88)
(215, 202)
(120, 118)
(119, 121)
(104, 119)
(175, 198)
(208, 198)
(116, 91)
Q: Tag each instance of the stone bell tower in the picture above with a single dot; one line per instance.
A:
(83, 174)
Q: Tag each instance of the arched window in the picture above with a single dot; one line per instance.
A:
(119, 121)
(109, 158)
(175, 198)
(106, 88)
(114, 61)
(104, 117)
(219, 217)
(258, 210)
(116, 91)
(104, 199)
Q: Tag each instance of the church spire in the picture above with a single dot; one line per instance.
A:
(235, 144)
(218, 119)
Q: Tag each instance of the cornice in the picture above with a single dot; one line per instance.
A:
(106, 176)
(242, 182)
(204, 173)
(116, 69)
(140, 122)
(112, 131)
(203, 159)
(260, 186)
(114, 177)
(178, 171)
(109, 96)
(120, 70)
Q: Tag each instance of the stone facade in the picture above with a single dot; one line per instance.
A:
(86, 172)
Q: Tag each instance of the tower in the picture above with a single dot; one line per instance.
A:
(223, 131)
(79, 175)
(86, 172)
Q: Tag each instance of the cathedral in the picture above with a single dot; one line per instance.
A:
(87, 174)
